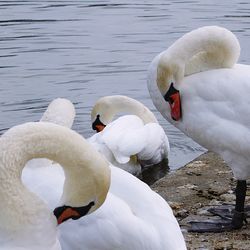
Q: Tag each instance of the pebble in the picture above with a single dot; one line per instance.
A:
(227, 197)
(189, 186)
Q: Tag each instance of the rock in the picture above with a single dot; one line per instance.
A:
(193, 173)
(227, 197)
(188, 186)
(203, 211)
(183, 213)
(225, 245)
(175, 205)
(215, 202)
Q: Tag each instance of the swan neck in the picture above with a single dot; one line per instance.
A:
(204, 49)
(128, 105)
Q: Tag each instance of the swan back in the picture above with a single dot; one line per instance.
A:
(60, 111)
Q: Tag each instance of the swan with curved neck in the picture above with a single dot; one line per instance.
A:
(198, 86)
(131, 141)
(87, 179)
(107, 107)
(204, 49)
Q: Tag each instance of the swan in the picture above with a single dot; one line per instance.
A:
(197, 85)
(131, 141)
(132, 217)
(25, 220)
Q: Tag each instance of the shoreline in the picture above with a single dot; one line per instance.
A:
(203, 182)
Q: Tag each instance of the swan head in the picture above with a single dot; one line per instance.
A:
(64, 213)
(82, 196)
(97, 124)
(107, 107)
(169, 75)
(102, 113)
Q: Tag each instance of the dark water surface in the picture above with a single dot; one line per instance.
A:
(82, 50)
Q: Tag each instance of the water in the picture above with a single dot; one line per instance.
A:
(82, 50)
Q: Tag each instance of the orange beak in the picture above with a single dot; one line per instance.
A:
(99, 128)
(67, 213)
(175, 106)
(174, 99)
(98, 125)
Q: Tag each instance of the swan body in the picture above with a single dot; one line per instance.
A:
(132, 217)
(131, 140)
(201, 69)
(25, 220)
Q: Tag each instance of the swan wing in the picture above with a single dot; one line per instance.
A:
(128, 136)
(60, 111)
(124, 137)
(216, 114)
(156, 147)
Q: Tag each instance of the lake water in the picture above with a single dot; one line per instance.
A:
(82, 50)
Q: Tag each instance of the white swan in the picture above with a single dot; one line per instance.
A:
(131, 140)
(132, 217)
(25, 221)
(197, 85)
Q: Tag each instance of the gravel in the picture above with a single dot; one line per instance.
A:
(191, 190)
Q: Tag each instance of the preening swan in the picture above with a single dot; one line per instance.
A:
(197, 86)
(132, 217)
(25, 220)
(131, 140)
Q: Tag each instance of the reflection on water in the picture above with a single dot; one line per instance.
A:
(153, 173)
(82, 50)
